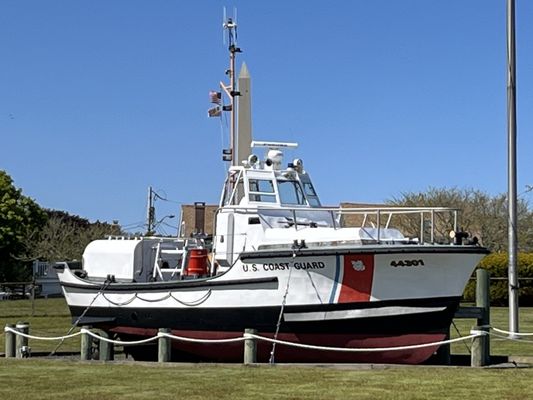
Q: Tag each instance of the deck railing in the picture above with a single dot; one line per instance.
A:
(424, 224)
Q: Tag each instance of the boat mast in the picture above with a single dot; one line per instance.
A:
(231, 26)
(511, 148)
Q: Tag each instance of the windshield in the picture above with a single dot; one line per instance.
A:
(290, 192)
(262, 190)
(311, 194)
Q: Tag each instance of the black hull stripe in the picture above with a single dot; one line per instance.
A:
(367, 249)
(165, 286)
(265, 318)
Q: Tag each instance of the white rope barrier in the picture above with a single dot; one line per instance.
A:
(118, 342)
(514, 339)
(360, 350)
(159, 334)
(193, 340)
(498, 333)
(511, 333)
(242, 338)
(50, 338)
(477, 332)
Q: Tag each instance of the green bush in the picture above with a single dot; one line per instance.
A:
(496, 264)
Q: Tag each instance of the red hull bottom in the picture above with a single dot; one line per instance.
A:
(234, 352)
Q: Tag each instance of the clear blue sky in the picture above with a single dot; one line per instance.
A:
(100, 99)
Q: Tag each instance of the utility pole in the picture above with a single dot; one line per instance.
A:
(511, 154)
(150, 214)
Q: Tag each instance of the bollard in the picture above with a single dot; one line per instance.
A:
(106, 349)
(164, 349)
(10, 342)
(481, 345)
(22, 349)
(86, 345)
(250, 347)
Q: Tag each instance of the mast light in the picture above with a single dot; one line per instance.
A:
(298, 165)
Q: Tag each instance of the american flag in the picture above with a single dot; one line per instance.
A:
(214, 112)
(215, 97)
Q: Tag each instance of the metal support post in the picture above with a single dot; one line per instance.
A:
(511, 170)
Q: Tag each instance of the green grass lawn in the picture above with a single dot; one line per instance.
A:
(50, 318)
(56, 379)
(66, 379)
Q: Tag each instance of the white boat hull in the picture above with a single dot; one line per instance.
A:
(374, 297)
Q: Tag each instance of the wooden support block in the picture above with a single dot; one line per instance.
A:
(250, 348)
(481, 345)
(86, 345)
(22, 348)
(10, 342)
(164, 347)
(106, 349)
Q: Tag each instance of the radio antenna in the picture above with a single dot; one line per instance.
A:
(230, 25)
(223, 26)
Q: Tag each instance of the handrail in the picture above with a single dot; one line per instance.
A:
(427, 216)
(343, 209)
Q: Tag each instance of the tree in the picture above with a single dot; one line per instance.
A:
(481, 215)
(18, 216)
(65, 236)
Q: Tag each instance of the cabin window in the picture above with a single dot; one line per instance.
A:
(290, 192)
(228, 194)
(261, 185)
(239, 192)
(233, 190)
(309, 189)
(262, 190)
(313, 201)
(310, 193)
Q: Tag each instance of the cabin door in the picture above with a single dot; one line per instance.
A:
(225, 227)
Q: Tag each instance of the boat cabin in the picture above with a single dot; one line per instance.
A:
(265, 206)
(267, 183)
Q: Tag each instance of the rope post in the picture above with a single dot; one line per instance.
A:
(86, 345)
(164, 349)
(32, 297)
(106, 349)
(22, 348)
(250, 347)
(10, 342)
(481, 344)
